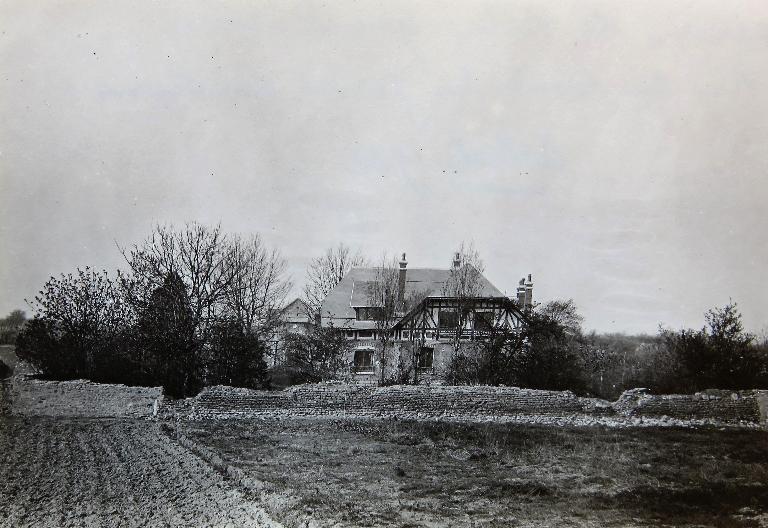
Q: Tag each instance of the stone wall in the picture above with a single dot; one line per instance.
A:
(762, 404)
(728, 406)
(401, 401)
(79, 398)
(22, 395)
(470, 403)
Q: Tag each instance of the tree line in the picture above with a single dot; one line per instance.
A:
(195, 306)
(552, 352)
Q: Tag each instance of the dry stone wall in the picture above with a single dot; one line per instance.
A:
(79, 398)
(481, 403)
(22, 395)
(729, 406)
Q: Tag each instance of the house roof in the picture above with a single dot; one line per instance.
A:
(352, 291)
(297, 311)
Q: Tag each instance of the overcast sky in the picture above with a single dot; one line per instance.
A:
(618, 151)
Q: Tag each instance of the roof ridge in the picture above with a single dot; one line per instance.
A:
(407, 269)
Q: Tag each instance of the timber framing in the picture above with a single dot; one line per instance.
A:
(480, 318)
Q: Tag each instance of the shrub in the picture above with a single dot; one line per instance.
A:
(236, 358)
(543, 355)
(318, 355)
(10, 327)
(721, 355)
(5, 370)
(79, 317)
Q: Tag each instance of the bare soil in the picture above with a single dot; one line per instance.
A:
(88, 473)
(404, 474)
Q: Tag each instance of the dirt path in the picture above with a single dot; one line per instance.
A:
(59, 473)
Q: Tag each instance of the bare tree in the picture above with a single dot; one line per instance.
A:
(232, 287)
(382, 297)
(465, 282)
(326, 271)
(465, 278)
(416, 340)
(258, 287)
(197, 254)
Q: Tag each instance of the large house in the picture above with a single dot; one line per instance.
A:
(295, 318)
(428, 325)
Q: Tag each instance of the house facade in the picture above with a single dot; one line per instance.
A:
(428, 326)
(295, 318)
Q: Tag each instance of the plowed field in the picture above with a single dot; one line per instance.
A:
(57, 473)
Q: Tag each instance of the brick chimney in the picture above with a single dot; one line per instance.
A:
(401, 283)
(456, 260)
(529, 292)
(521, 293)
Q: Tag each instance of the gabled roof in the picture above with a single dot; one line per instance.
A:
(297, 311)
(353, 290)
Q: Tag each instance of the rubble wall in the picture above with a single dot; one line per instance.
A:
(726, 406)
(429, 402)
(79, 398)
(22, 395)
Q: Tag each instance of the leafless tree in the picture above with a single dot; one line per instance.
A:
(226, 277)
(258, 287)
(382, 297)
(465, 278)
(465, 282)
(326, 271)
(416, 340)
(197, 254)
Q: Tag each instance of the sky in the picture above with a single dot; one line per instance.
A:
(615, 150)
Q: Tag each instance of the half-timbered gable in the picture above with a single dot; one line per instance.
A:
(438, 318)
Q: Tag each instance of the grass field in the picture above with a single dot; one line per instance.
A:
(404, 474)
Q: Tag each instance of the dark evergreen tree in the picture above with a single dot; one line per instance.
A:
(236, 358)
(168, 351)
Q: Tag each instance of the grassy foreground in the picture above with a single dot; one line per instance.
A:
(389, 473)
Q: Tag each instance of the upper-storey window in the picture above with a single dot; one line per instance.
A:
(447, 318)
(368, 313)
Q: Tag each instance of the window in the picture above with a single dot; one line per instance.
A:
(350, 334)
(365, 334)
(426, 356)
(363, 361)
(448, 319)
(368, 313)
